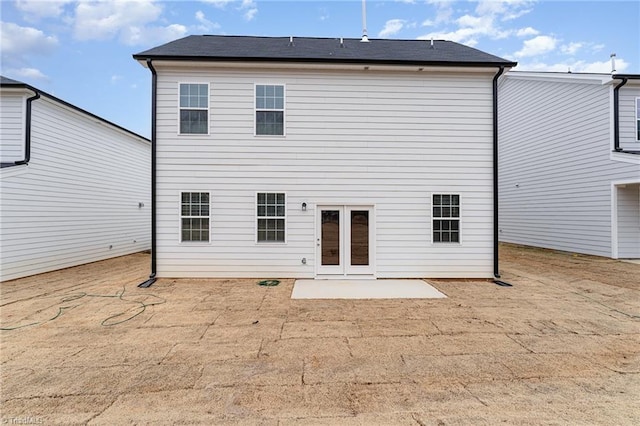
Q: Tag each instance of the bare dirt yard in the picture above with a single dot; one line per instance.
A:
(561, 346)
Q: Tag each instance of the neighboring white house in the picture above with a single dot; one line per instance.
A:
(570, 162)
(319, 157)
(74, 188)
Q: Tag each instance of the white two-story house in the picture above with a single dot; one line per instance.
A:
(570, 162)
(74, 187)
(323, 158)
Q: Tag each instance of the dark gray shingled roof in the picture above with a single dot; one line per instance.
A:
(321, 50)
(4, 81)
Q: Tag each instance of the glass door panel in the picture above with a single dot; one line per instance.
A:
(360, 237)
(330, 231)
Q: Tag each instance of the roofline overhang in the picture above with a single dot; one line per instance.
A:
(25, 86)
(322, 61)
(627, 76)
(565, 77)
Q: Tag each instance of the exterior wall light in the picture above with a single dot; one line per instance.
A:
(304, 207)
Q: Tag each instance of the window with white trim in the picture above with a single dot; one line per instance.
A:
(194, 216)
(271, 217)
(638, 119)
(269, 110)
(446, 218)
(194, 109)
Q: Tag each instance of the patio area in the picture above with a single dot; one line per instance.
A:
(561, 346)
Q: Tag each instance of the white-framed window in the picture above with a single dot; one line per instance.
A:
(195, 213)
(638, 119)
(271, 217)
(194, 108)
(269, 110)
(446, 218)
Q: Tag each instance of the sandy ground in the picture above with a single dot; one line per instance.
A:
(86, 346)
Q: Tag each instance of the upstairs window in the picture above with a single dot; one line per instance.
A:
(271, 217)
(269, 110)
(446, 218)
(194, 109)
(638, 119)
(194, 216)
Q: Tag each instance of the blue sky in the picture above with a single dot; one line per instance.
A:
(81, 51)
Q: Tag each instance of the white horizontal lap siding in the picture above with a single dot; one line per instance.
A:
(383, 139)
(12, 121)
(555, 172)
(77, 201)
(629, 221)
(628, 121)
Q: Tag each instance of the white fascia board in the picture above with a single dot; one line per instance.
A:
(262, 66)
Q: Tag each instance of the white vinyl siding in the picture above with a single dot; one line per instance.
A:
(628, 216)
(555, 167)
(13, 109)
(383, 139)
(78, 200)
(628, 98)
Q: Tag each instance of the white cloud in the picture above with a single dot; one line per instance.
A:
(444, 11)
(506, 9)
(482, 23)
(486, 20)
(205, 24)
(250, 14)
(152, 35)
(575, 66)
(391, 27)
(537, 46)
(250, 9)
(124, 19)
(21, 43)
(37, 9)
(526, 32)
(220, 4)
(26, 73)
(18, 40)
(571, 48)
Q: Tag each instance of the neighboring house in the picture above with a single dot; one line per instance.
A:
(570, 162)
(320, 157)
(74, 188)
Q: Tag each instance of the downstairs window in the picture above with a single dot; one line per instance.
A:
(194, 216)
(446, 218)
(271, 217)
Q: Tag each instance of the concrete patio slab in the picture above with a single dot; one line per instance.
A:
(364, 289)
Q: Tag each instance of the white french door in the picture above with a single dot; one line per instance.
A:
(345, 240)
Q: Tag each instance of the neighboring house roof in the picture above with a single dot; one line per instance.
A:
(10, 83)
(4, 81)
(322, 50)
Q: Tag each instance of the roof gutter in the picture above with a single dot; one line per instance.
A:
(496, 269)
(154, 89)
(616, 115)
(27, 135)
